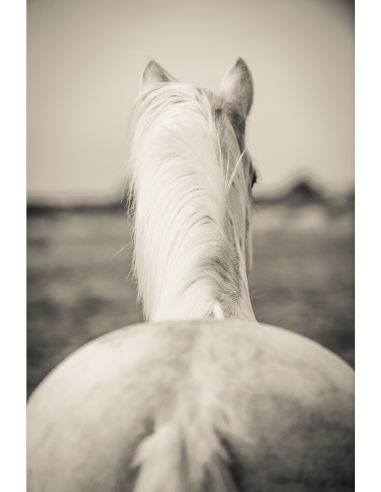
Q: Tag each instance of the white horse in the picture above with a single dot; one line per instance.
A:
(203, 397)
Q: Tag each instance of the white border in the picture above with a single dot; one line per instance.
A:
(368, 243)
(13, 244)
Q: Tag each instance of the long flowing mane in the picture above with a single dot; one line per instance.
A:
(189, 214)
(193, 405)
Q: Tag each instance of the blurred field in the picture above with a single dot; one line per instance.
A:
(303, 277)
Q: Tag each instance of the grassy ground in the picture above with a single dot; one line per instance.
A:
(303, 278)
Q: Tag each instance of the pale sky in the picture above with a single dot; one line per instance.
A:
(85, 58)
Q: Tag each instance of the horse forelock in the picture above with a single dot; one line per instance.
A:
(190, 221)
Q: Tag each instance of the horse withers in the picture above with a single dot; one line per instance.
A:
(202, 397)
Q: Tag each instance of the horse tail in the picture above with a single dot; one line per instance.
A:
(185, 454)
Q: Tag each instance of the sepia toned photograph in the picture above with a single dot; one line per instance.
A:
(190, 245)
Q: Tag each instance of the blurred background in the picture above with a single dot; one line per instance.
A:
(85, 58)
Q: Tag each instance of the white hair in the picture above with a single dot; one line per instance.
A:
(190, 204)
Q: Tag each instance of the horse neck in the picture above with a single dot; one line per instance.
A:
(188, 258)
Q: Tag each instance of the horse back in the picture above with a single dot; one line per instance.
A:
(225, 406)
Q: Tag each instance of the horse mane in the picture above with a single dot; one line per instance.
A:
(188, 257)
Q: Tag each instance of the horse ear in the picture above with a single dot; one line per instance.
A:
(154, 74)
(237, 88)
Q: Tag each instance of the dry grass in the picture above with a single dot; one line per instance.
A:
(303, 278)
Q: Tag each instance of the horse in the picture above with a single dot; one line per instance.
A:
(200, 397)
